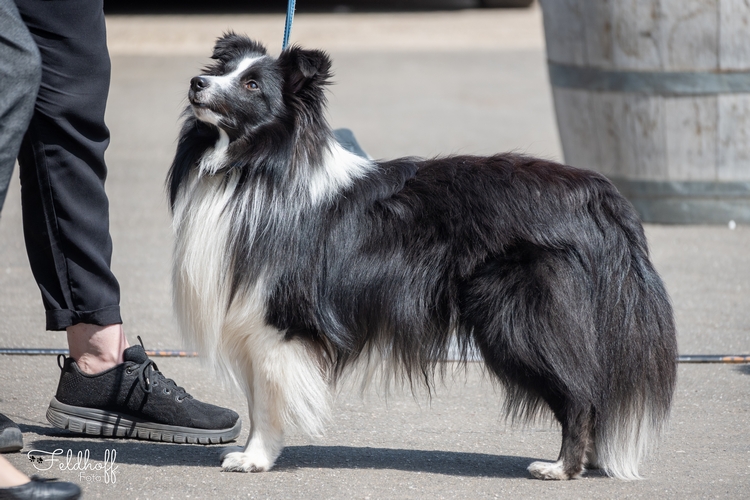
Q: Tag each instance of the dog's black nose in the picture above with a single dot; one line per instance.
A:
(199, 83)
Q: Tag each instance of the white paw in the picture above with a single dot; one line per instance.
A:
(239, 461)
(547, 470)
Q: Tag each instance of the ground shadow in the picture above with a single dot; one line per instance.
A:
(128, 451)
(136, 452)
(449, 463)
(745, 368)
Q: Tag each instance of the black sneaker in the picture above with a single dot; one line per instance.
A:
(11, 438)
(135, 400)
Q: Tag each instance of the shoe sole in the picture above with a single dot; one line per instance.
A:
(94, 422)
(11, 440)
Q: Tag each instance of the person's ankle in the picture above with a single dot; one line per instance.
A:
(96, 348)
(10, 476)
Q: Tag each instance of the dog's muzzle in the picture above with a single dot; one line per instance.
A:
(198, 84)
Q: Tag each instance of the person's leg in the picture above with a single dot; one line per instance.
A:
(65, 207)
(96, 348)
(66, 218)
(20, 74)
(10, 476)
(105, 387)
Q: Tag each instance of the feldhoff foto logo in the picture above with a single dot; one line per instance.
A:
(90, 471)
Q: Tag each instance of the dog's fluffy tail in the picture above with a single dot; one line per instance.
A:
(640, 354)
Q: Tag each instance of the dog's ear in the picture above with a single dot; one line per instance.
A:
(232, 45)
(305, 68)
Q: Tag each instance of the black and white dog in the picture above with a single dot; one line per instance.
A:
(296, 260)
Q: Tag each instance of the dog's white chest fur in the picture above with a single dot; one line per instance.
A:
(215, 158)
(233, 332)
(200, 271)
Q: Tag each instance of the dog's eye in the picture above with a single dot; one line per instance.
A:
(252, 85)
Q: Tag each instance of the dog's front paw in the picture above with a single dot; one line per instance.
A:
(547, 470)
(239, 461)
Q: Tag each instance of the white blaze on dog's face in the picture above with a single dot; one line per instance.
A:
(208, 90)
(239, 92)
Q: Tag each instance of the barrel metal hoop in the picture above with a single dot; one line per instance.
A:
(687, 202)
(666, 83)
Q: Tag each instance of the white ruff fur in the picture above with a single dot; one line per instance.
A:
(214, 159)
(339, 169)
(283, 382)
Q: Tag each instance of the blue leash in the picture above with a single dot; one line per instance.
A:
(288, 26)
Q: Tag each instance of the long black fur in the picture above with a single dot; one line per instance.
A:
(543, 267)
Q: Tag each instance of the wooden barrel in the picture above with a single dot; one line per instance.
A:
(655, 94)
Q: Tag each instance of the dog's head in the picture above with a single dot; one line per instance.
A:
(246, 88)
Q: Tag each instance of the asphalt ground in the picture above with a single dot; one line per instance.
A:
(408, 84)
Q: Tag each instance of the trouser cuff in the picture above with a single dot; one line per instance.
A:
(60, 319)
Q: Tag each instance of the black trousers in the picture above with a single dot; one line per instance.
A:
(62, 169)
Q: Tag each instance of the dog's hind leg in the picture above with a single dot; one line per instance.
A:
(531, 315)
(285, 387)
(576, 435)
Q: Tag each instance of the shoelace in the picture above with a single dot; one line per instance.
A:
(149, 377)
(148, 370)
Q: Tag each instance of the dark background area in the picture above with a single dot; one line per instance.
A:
(265, 6)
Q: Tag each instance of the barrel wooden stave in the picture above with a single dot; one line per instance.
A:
(685, 142)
